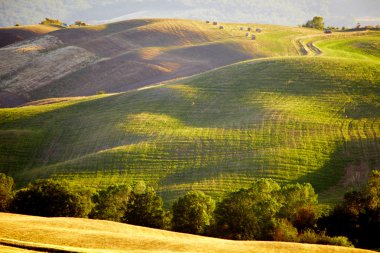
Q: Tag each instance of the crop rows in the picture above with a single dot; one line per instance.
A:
(294, 120)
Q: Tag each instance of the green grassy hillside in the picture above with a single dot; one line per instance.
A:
(364, 46)
(294, 119)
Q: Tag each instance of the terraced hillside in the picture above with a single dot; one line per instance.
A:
(295, 119)
(131, 54)
(83, 235)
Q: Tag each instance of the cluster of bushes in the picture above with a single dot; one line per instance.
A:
(317, 23)
(265, 211)
(56, 22)
(80, 23)
(358, 216)
(50, 21)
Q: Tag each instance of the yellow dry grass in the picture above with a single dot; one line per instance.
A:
(8, 249)
(83, 235)
(39, 29)
(48, 101)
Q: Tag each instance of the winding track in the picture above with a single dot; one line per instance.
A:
(307, 49)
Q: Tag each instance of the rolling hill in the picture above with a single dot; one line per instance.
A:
(19, 233)
(288, 12)
(10, 35)
(295, 119)
(130, 54)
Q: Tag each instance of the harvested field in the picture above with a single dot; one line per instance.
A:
(131, 54)
(10, 35)
(82, 235)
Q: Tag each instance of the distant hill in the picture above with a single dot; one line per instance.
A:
(14, 34)
(285, 12)
(21, 232)
(131, 54)
(311, 118)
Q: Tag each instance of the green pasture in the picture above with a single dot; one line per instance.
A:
(293, 119)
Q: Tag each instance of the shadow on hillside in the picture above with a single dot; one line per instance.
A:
(347, 168)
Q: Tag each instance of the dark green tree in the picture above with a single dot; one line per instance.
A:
(145, 209)
(249, 214)
(48, 198)
(193, 213)
(6, 191)
(317, 23)
(358, 216)
(300, 205)
(111, 204)
(372, 190)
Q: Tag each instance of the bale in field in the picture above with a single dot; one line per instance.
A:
(221, 27)
(241, 28)
(207, 22)
(249, 29)
(258, 30)
(214, 23)
(253, 37)
(247, 34)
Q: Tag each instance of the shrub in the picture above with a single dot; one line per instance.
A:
(335, 240)
(309, 236)
(285, 232)
(193, 213)
(6, 191)
(80, 23)
(49, 21)
(304, 218)
(50, 199)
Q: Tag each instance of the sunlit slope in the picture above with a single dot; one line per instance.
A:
(9, 35)
(299, 119)
(83, 235)
(364, 45)
(130, 54)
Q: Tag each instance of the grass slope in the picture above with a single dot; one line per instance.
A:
(126, 55)
(357, 45)
(296, 119)
(82, 235)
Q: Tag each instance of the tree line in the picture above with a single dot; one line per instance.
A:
(264, 211)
